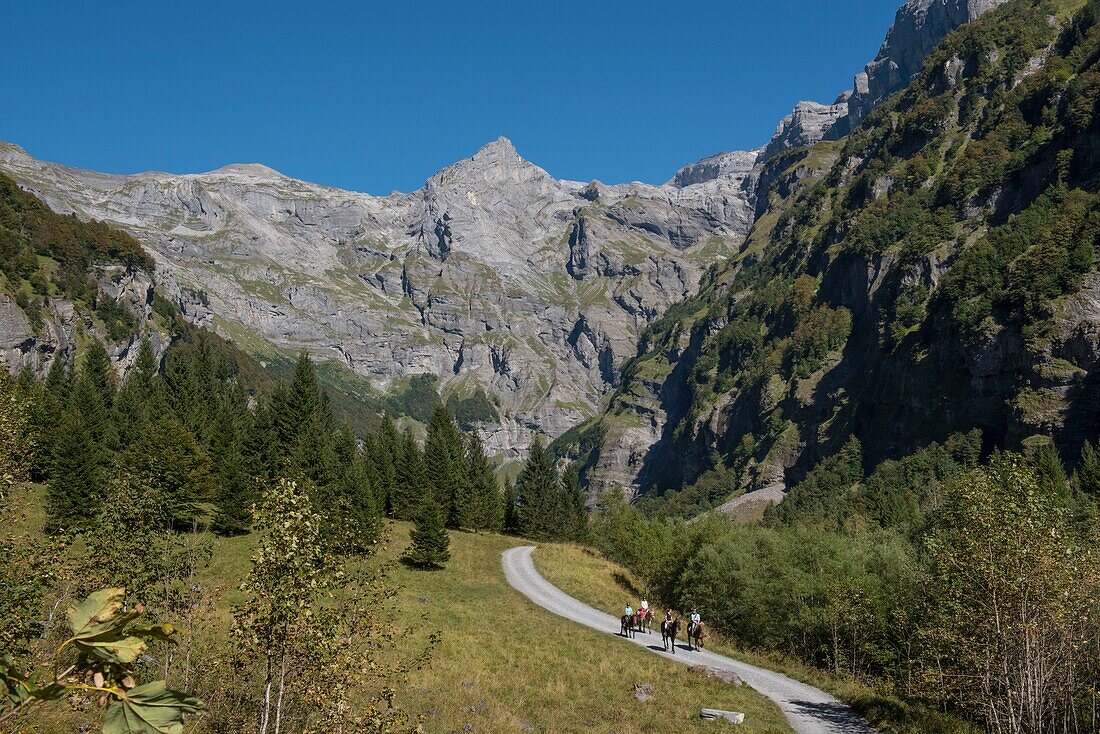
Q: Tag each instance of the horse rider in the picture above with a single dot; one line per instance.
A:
(696, 620)
(643, 608)
(629, 611)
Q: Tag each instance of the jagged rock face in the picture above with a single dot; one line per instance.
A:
(23, 346)
(918, 26)
(807, 124)
(494, 274)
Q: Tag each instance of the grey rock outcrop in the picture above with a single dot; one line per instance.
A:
(493, 275)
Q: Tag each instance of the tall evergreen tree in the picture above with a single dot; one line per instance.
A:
(430, 542)
(483, 505)
(442, 462)
(235, 493)
(77, 476)
(511, 517)
(385, 457)
(574, 511)
(1088, 471)
(1049, 471)
(173, 469)
(134, 402)
(538, 495)
(410, 490)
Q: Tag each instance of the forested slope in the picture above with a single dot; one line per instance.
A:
(931, 273)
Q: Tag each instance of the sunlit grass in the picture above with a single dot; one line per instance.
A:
(598, 582)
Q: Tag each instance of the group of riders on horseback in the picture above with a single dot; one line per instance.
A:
(642, 618)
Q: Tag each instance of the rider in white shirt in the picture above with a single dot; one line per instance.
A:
(696, 618)
(643, 607)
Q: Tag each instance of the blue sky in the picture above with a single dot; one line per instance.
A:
(378, 96)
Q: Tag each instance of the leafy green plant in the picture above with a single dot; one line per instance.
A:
(98, 660)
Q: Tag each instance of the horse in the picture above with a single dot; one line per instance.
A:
(628, 625)
(696, 631)
(645, 620)
(668, 633)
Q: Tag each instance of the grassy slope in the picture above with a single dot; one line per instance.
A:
(596, 581)
(532, 667)
(534, 671)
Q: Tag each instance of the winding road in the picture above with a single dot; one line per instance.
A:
(809, 710)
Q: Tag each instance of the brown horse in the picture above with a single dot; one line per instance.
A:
(645, 620)
(628, 625)
(696, 632)
(668, 633)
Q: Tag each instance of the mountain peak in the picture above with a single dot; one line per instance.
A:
(502, 146)
(250, 169)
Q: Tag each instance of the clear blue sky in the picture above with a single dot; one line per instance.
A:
(377, 96)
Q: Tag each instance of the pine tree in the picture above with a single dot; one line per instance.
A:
(538, 495)
(1088, 471)
(441, 464)
(353, 503)
(78, 466)
(261, 445)
(430, 541)
(511, 517)
(134, 402)
(235, 493)
(574, 500)
(483, 508)
(410, 490)
(1049, 471)
(385, 457)
(93, 393)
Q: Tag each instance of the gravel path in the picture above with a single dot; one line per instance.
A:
(809, 710)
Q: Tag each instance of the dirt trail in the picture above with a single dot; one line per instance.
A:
(809, 710)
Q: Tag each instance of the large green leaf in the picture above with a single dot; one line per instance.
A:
(115, 649)
(152, 708)
(86, 618)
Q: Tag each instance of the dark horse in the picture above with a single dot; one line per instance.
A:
(628, 625)
(668, 633)
(696, 632)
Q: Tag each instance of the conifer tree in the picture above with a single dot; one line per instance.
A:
(440, 463)
(261, 444)
(430, 541)
(538, 495)
(77, 474)
(385, 457)
(410, 490)
(511, 517)
(49, 409)
(352, 502)
(235, 492)
(483, 508)
(574, 512)
(134, 402)
(1088, 471)
(93, 393)
(1049, 471)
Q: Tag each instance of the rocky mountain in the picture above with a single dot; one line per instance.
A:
(495, 276)
(932, 272)
(521, 292)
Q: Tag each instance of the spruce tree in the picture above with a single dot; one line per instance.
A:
(1088, 471)
(134, 402)
(538, 495)
(574, 511)
(410, 489)
(510, 516)
(430, 541)
(235, 491)
(441, 465)
(78, 468)
(385, 457)
(1049, 471)
(483, 508)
